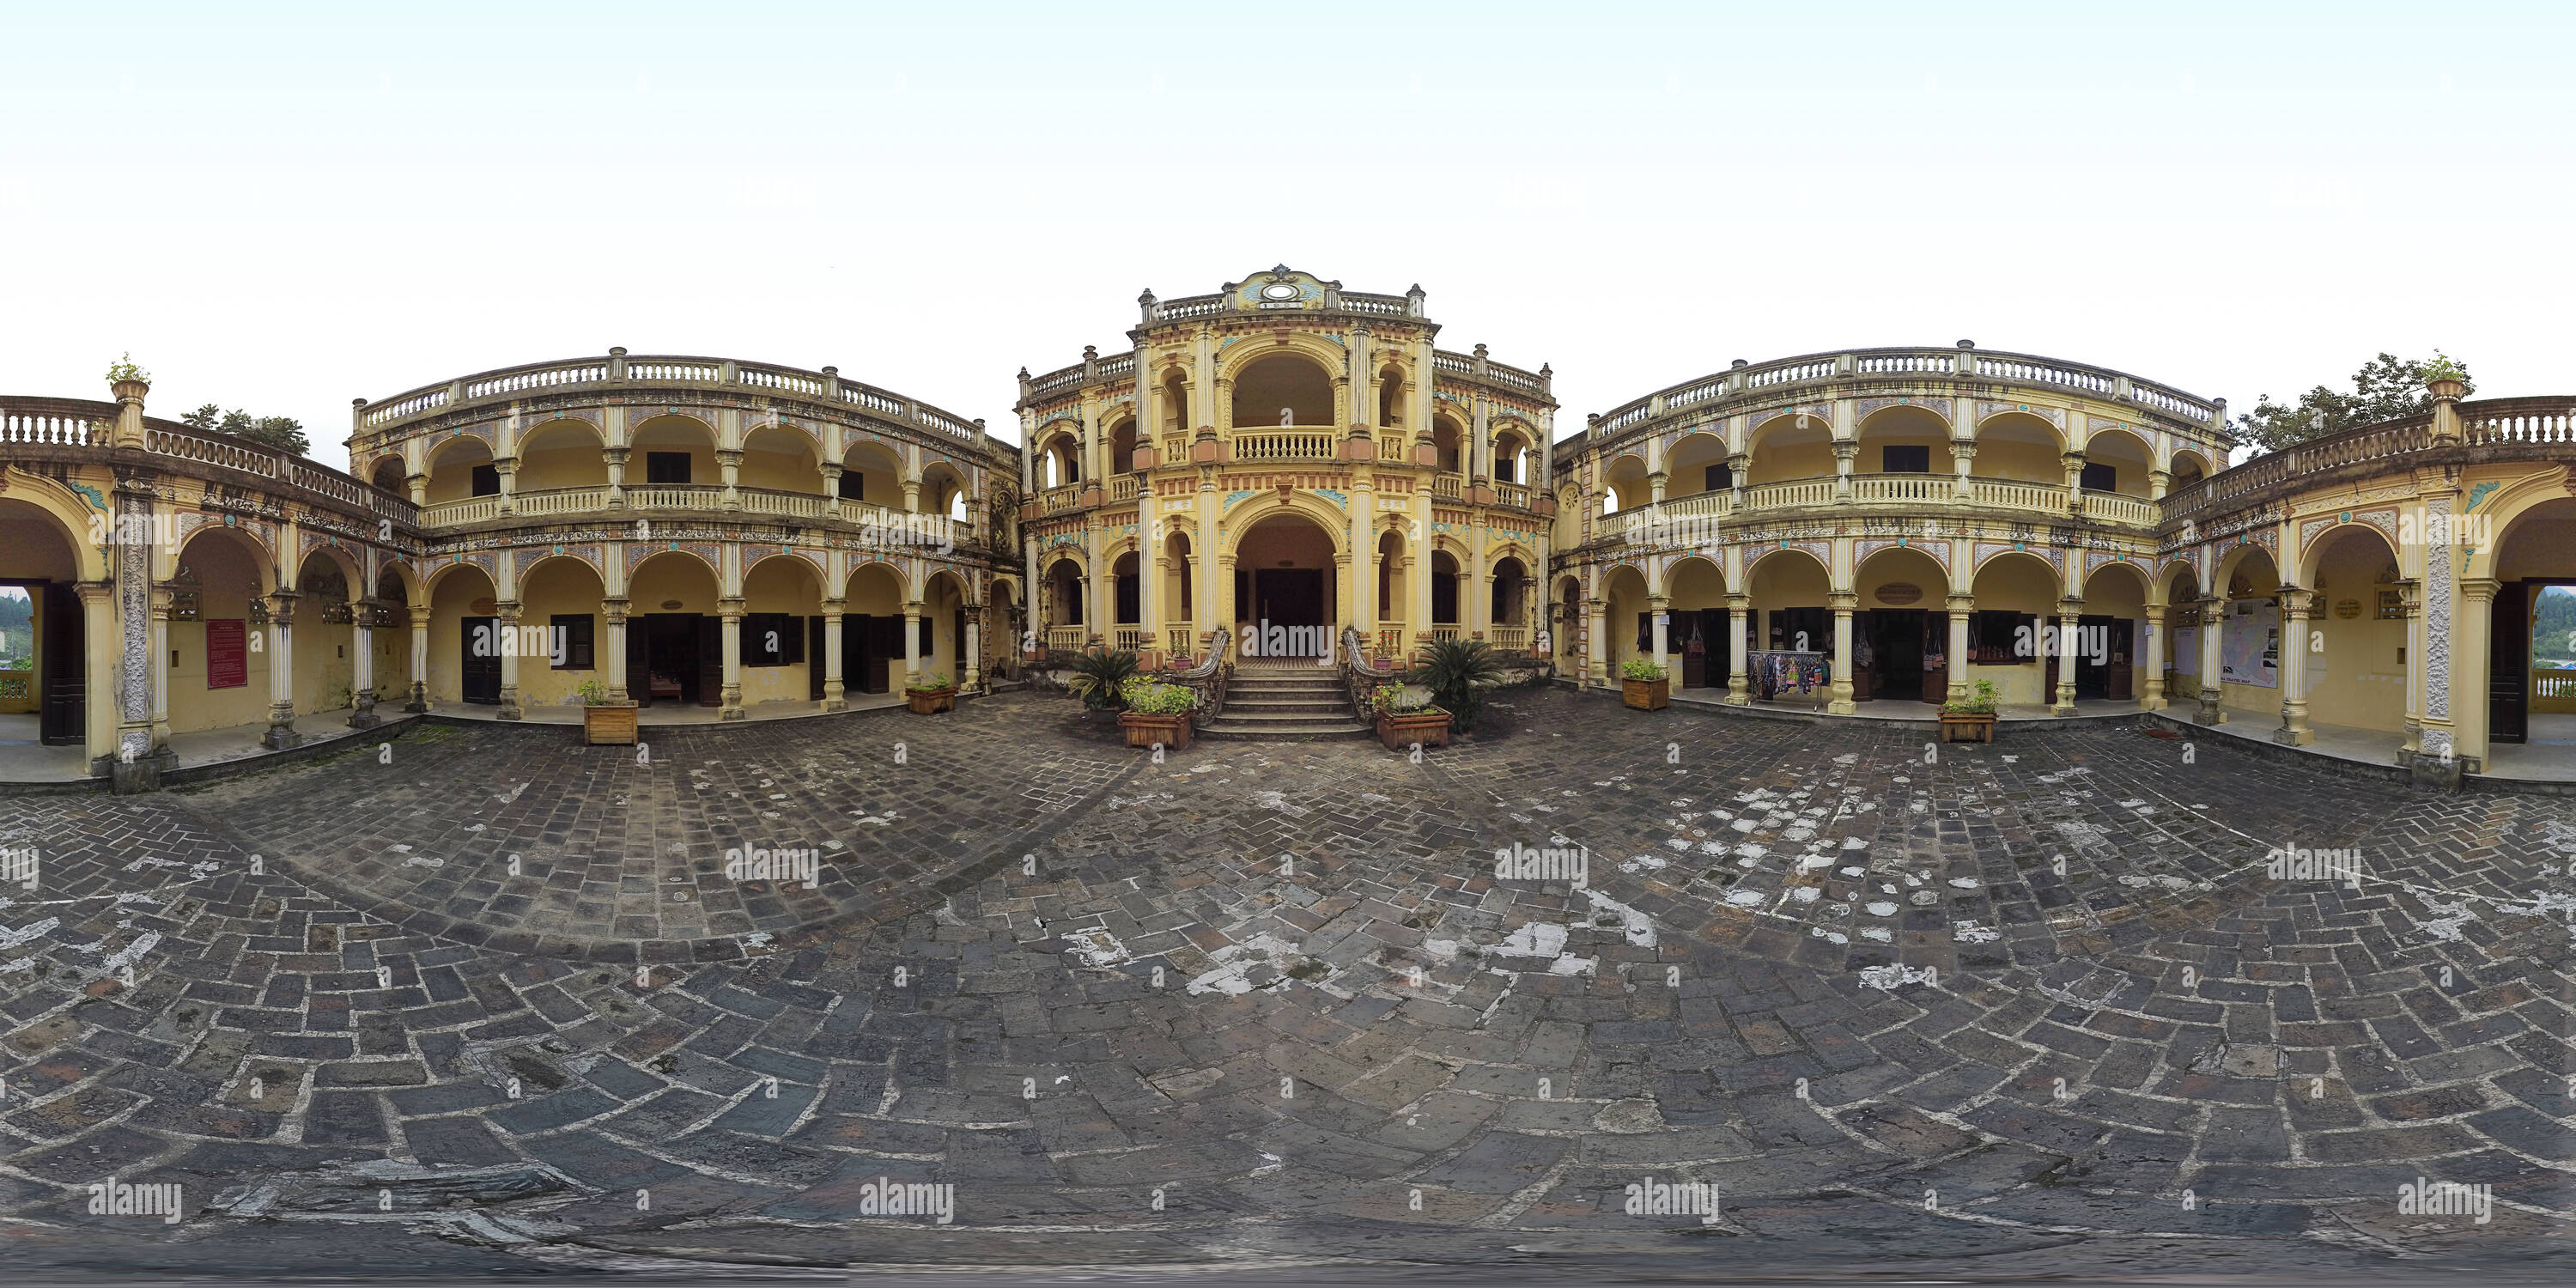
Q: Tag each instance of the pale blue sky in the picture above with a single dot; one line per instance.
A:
(283, 207)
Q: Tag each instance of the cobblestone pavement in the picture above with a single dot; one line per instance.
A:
(2029, 1009)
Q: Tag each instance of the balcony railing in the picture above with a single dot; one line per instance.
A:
(1058, 500)
(619, 369)
(1067, 639)
(1181, 639)
(2010, 494)
(473, 509)
(1783, 496)
(1449, 487)
(1122, 487)
(1873, 489)
(1130, 638)
(1509, 639)
(1925, 491)
(2488, 422)
(1286, 444)
(794, 505)
(570, 500)
(2115, 507)
(1513, 495)
(1390, 641)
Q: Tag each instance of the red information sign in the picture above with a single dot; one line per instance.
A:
(227, 656)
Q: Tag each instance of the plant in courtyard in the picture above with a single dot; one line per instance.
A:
(932, 682)
(1398, 700)
(593, 694)
(2386, 388)
(1146, 696)
(1638, 668)
(1098, 678)
(1980, 703)
(1456, 671)
(123, 369)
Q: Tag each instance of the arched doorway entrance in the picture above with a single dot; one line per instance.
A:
(2531, 644)
(44, 640)
(1284, 578)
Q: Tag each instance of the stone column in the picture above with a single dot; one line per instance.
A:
(912, 492)
(161, 609)
(2296, 606)
(612, 613)
(2437, 764)
(729, 466)
(1845, 452)
(505, 623)
(730, 612)
(2409, 592)
(2152, 697)
(2158, 483)
(2213, 619)
(1220, 608)
(1843, 602)
(1962, 605)
(1739, 683)
(419, 487)
(134, 769)
(508, 468)
(912, 642)
(362, 668)
(836, 693)
(2470, 663)
(1655, 487)
(616, 458)
(2074, 463)
(419, 699)
(832, 488)
(1656, 608)
(1597, 647)
(1963, 454)
(970, 668)
(2068, 613)
(281, 673)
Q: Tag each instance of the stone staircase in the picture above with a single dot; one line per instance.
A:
(1291, 701)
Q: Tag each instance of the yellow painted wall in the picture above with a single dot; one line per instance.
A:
(782, 462)
(1780, 458)
(226, 581)
(560, 586)
(2024, 462)
(2357, 680)
(451, 467)
(560, 461)
(450, 602)
(781, 586)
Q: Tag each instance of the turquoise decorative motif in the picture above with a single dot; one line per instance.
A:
(89, 494)
(2479, 493)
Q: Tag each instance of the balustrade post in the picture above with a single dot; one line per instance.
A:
(2411, 601)
(617, 363)
(419, 485)
(832, 488)
(612, 612)
(1658, 608)
(1845, 451)
(362, 667)
(2074, 463)
(508, 468)
(2159, 482)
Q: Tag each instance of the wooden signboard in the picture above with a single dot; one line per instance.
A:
(227, 654)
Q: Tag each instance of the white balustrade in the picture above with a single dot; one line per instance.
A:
(509, 382)
(46, 427)
(2115, 507)
(2003, 494)
(800, 505)
(473, 509)
(1289, 444)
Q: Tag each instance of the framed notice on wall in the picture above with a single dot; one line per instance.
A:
(227, 655)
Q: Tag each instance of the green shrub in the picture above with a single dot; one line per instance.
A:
(1638, 668)
(1146, 696)
(930, 683)
(1457, 672)
(1099, 678)
(1982, 703)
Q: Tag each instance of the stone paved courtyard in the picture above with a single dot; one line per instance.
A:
(487, 1002)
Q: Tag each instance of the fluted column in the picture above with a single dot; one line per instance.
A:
(836, 692)
(970, 665)
(419, 699)
(505, 622)
(616, 459)
(1739, 684)
(362, 668)
(729, 466)
(1597, 646)
(729, 611)
(2152, 696)
(281, 673)
(612, 612)
(2296, 606)
(1963, 455)
(1839, 700)
(1656, 607)
(2412, 606)
(912, 641)
(2069, 614)
(1962, 606)
(2213, 620)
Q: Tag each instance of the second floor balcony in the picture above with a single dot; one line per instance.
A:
(1886, 493)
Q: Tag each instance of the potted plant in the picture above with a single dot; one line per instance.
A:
(126, 380)
(1457, 672)
(2445, 377)
(1644, 685)
(1157, 714)
(931, 694)
(605, 720)
(1100, 679)
(1404, 720)
(1970, 719)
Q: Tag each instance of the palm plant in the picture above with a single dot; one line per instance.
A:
(1099, 678)
(1457, 671)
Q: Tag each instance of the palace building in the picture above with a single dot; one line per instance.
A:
(1286, 478)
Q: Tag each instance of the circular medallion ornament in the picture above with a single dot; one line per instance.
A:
(670, 605)
(1279, 291)
(1897, 594)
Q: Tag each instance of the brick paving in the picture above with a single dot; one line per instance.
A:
(2029, 1008)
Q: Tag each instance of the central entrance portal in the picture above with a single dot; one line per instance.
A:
(1284, 589)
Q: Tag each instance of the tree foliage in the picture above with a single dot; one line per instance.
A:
(2385, 388)
(282, 432)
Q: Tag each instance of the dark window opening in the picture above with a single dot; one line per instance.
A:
(1898, 458)
(666, 467)
(1720, 477)
(854, 486)
(487, 480)
(572, 641)
(2101, 478)
(772, 639)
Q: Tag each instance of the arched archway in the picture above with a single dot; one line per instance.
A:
(1626, 617)
(2529, 665)
(1293, 382)
(1286, 577)
(780, 458)
(1565, 623)
(2020, 447)
(561, 595)
(1063, 606)
(1624, 485)
(2355, 669)
(872, 473)
(2112, 630)
(461, 468)
(1901, 628)
(1509, 605)
(2017, 595)
(558, 454)
(51, 694)
(674, 603)
(1789, 447)
(221, 677)
(1904, 439)
(2117, 461)
(325, 634)
(1695, 588)
(942, 645)
(783, 637)
(672, 451)
(1697, 464)
(2249, 634)
(1449, 445)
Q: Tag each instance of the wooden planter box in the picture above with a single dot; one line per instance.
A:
(1967, 728)
(610, 725)
(1400, 732)
(1172, 731)
(930, 702)
(1647, 695)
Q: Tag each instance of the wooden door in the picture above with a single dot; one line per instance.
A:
(2117, 684)
(710, 660)
(62, 663)
(814, 666)
(2509, 664)
(480, 668)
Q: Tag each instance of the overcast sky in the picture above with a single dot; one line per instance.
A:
(281, 208)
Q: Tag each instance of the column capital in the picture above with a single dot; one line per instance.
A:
(2481, 589)
(1739, 603)
(2071, 606)
(1961, 601)
(1843, 601)
(2296, 602)
(730, 609)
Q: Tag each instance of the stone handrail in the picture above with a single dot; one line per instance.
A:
(2117, 507)
(30, 423)
(472, 509)
(1919, 490)
(2549, 419)
(1207, 679)
(1914, 365)
(1360, 676)
(1287, 443)
(620, 369)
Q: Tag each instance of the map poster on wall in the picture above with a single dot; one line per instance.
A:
(2249, 646)
(227, 657)
(2183, 654)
